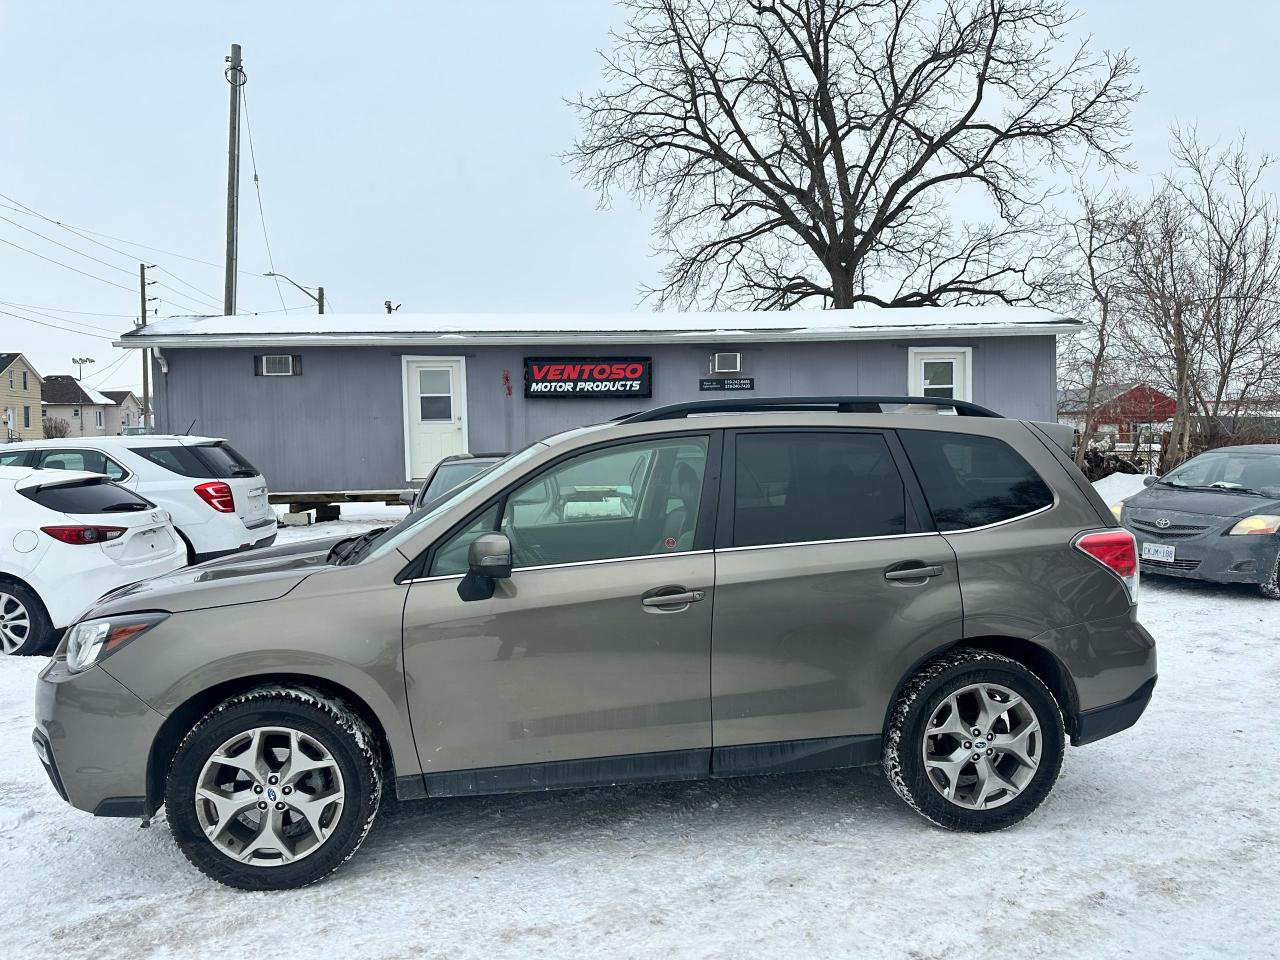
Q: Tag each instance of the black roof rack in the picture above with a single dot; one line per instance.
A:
(675, 411)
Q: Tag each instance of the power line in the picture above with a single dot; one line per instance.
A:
(78, 323)
(92, 276)
(257, 189)
(83, 313)
(124, 355)
(54, 326)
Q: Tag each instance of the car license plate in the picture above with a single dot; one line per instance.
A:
(1157, 551)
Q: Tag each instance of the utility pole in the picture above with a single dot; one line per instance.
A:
(146, 351)
(320, 300)
(236, 78)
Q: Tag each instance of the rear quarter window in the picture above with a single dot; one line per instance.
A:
(972, 481)
(87, 496)
(206, 461)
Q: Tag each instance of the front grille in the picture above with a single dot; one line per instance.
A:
(1174, 531)
(1170, 564)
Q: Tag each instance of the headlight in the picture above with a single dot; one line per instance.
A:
(1262, 523)
(92, 640)
(1117, 509)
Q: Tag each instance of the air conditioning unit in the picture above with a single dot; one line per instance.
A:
(726, 363)
(277, 365)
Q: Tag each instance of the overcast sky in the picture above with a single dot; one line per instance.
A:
(406, 151)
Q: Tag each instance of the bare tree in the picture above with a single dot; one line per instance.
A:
(1092, 291)
(55, 428)
(816, 150)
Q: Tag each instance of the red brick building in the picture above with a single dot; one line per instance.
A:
(1130, 411)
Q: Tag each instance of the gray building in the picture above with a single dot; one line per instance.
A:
(361, 402)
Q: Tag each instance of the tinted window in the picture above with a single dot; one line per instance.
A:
(87, 496)
(972, 481)
(18, 459)
(92, 461)
(225, 461)
(630, 500)
(208, 461)
(796, 487)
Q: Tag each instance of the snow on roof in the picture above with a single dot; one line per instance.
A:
(384, 328)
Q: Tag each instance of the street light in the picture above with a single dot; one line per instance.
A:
(318, 296)
(80, 362)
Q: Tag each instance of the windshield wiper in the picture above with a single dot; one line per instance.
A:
(1248, 490)
(353, 547)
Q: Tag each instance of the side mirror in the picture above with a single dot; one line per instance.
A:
(406, 497)
(489, 556)
(1148, 481)
(488, 560)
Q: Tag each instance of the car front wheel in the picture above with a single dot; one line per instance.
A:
(274, 789)
(975, 741)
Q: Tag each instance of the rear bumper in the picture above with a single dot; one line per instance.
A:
(255, 545)
(1092, 725)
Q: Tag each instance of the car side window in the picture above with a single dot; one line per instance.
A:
(451, 556)
(793, 487)
(972, 481)
(92, 461)
(630, 500)
(18, 459)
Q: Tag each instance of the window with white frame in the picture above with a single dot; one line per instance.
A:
(97, 418)
(942, 372)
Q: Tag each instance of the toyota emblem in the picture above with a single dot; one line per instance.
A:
(1162, 523)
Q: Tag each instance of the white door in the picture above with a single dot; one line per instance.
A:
(435, 412)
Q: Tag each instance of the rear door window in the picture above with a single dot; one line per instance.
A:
(87, 496)
(14, 459)
(91, 461)
(972, 481)
(206, 461)
(821, 485)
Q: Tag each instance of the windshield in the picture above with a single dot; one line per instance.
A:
(449, 475)
(392, 537)
(1229, 470)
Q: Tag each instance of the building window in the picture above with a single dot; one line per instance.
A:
(942, 372)
(97, 418)
(26, 417)
(10, 379)
(75, 411)
(24, 380)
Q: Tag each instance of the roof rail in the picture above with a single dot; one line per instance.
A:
(675, 411)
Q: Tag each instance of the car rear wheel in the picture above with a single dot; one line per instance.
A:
(975, 741)
(25, 628)
(274, 789)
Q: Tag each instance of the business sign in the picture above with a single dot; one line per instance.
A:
(588, 377)
(727, 383)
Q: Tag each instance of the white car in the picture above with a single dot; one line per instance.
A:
(66, 539)
(217, 498)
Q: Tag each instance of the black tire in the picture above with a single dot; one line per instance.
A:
(1270, 587)
(339, 729)
(40, 635)
(904, 739)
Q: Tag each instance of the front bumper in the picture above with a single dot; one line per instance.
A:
(1202, 548)
(94, 738)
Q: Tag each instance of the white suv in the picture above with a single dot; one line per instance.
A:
(217, 498)
(66, 539)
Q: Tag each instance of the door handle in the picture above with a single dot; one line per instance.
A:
(921, 572)
(674, 599)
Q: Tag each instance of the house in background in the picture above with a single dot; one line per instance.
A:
(19, 399)
(88, 412)
(127, 411)
(340, 402)
(1132, 413)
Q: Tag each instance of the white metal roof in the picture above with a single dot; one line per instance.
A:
(383, 329)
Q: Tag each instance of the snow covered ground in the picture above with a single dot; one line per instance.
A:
(1162, 841)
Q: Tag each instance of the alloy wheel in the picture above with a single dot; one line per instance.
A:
(269, 796)
(982, 746)
(15, 623)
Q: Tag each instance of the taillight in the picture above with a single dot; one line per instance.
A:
(82, 535)
(1116, 550)
(217, 495)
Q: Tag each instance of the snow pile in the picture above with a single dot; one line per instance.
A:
(1119, 486)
